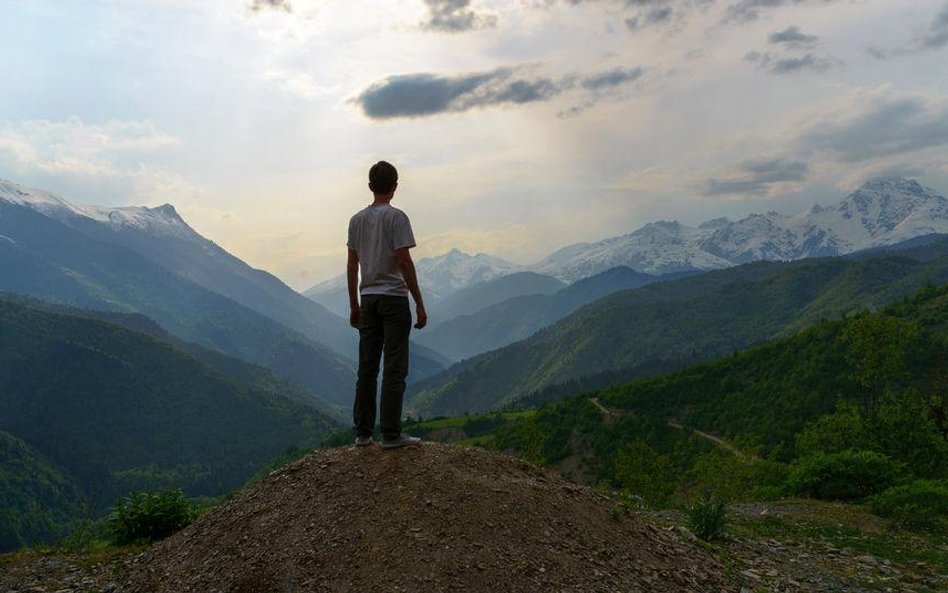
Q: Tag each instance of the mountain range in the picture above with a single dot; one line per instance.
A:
(882, 211)
(160, 235)
(149, 261)
(440, 276)
(494, 322)
(636, 332)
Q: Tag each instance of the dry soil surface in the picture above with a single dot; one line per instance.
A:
(426, 518)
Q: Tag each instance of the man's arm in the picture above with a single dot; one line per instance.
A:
(352, 280)
(407, 266)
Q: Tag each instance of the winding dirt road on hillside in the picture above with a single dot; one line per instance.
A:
(675, 424)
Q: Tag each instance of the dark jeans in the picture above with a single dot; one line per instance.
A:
(385, 322)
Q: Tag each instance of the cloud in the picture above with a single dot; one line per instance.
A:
(420, 95)
(933, 37)
(775, 63)
(75, 146)
(863, 134)
(880, 127)
(793, 37)
(454, 16)
(106, 160)
(260, 5)
(936, 36)
(751, 10)
(611, 78)
(660, 13)
(757, 177)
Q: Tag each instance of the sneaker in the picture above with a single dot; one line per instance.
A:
(363, 441)
(402, 440)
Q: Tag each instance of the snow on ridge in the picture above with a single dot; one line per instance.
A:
(160, 220)
(441, 275)
(881, 212)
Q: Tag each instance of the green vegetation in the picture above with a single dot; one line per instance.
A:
(707, 518)
(844, 410)
(922, 504)
(37, 502)
(848, 475)
(144, 517)
(98, 410)
(843, 526)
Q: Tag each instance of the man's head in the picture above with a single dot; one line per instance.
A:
(383, 178)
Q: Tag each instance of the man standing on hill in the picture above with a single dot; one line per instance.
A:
(379, 239)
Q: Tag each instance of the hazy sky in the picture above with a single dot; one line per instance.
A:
(518, 127)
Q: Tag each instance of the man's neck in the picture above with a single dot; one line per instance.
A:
(377, 200)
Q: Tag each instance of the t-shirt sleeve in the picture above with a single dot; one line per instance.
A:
(402, 235)
(351, 241)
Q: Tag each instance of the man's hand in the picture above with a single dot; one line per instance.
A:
(354, 316)
(422, 317)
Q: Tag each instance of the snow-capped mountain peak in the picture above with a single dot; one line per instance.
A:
(882, 211)
(454, 270)
(439, 275)
(161, 220)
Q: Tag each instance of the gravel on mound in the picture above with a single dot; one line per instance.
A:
(427, 518)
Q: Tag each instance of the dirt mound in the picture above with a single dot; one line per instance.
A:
(429, 518)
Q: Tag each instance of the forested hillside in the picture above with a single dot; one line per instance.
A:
(651, 329)
(249, 375)
(488, 327)
(119, 410)
(871, 384)
(37, 502)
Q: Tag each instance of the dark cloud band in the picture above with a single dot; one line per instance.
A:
(888, 127)
(793, 37)
(751, 10)
(777, 64)
(756, 177)
(420, 95)
(455, 16)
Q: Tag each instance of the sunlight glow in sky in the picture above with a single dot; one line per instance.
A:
(518, 127)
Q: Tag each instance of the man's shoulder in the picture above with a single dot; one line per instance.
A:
(398, 213)
(359, 214)
(383, 212)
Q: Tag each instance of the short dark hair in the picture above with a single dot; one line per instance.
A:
(383, 177)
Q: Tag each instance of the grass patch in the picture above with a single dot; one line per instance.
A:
(481, 441)
(845, 527)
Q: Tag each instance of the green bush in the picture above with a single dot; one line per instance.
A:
(843, 430)
(149, 516)
(723, 474)
(919, 504)
(848, 475)
(707, 518)
(642, 471)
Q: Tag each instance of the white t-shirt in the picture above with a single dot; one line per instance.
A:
(376, 233)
